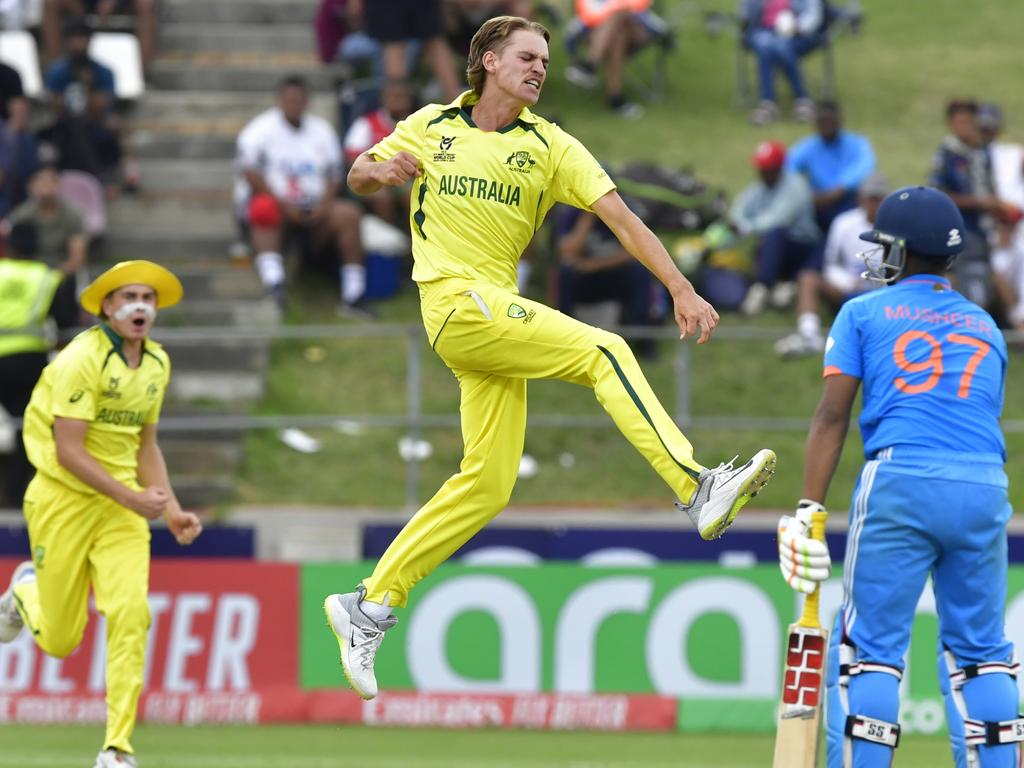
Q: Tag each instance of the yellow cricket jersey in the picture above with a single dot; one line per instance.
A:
(90, 380)
(483, 194)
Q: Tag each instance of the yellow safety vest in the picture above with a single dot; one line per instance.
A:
(26, 292)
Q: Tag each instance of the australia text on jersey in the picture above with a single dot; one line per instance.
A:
(121, 417)
(928, 315)
(484, 189)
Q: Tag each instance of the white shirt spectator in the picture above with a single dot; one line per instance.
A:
(1008, 172)
(367, 131)
(1007, 164)
(841, 267)
(297, 163)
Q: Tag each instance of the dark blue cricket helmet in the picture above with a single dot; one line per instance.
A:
(922, 220)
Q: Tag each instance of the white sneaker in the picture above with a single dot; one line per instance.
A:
(358, 637)
(782, 294)
(10, 620)
(803, 110)
(113, 758)
(756, 300)
(764, 113)
(723, 491)
(797, 345)
(582, 76)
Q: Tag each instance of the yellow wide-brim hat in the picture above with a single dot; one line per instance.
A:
(167, 286)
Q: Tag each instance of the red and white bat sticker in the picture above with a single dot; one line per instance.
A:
(805, 660)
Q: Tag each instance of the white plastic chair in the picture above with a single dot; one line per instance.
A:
(121, 53)
(83, 191)
(18, 50)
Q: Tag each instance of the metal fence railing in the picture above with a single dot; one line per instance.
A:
(413, 419)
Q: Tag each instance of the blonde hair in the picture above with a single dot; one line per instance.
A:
(493, 35)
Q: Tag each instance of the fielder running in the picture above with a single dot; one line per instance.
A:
(486, 170)
(90, 432)
(931, 500)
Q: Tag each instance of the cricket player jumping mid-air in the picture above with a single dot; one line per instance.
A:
(485, 171)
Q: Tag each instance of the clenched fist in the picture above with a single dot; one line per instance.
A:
(399, 169)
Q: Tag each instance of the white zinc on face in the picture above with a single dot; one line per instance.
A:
(128, 310)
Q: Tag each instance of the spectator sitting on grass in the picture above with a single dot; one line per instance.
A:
(835, 162)
(595, 267)
(613, 28)
(778, 213)
(780, 32)
(841, 277)
(962, 169)
(1007, 163)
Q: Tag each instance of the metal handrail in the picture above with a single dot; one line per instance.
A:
(414, 420)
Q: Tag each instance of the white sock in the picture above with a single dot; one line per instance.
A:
(353, 282)
(376, 611)
(808, 325)
(523, 272)
(270, 268)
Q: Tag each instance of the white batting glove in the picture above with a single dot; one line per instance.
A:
(804, 562)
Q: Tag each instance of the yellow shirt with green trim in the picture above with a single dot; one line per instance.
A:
(90, 380)
(483, 194)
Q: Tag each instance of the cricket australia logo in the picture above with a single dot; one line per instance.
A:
(520, 161)
(518, 313)
(445, 155)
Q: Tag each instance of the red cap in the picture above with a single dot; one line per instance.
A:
(769, 155)
(264, 212)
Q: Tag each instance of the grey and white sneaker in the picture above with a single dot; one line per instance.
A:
(115, 758)
(582, 75)
(358, 637)
(797, 345)
(724, 490)
(10, 620)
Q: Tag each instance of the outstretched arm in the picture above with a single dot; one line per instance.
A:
(827, 434)
(644, 246)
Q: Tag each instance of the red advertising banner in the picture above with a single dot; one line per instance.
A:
(545, 711)
(222, 648)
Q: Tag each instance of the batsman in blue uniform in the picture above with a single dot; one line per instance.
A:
(931, 499)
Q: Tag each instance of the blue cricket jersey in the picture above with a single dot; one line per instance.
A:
(933, 367)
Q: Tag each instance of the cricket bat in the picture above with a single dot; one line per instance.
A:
(796, 738)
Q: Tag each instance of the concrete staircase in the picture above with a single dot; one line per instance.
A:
(219, 64)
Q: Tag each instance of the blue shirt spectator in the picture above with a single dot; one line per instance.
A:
(834, 161)
(64, 72)
(79, 86)
(963, 170)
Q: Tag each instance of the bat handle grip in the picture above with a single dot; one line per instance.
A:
(810, 616)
